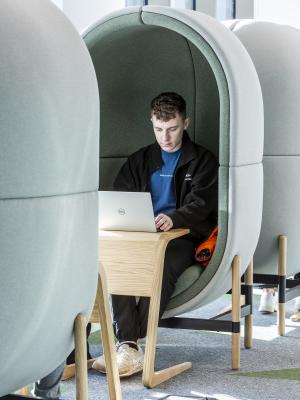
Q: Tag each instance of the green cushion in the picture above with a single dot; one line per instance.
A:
(187, 278)
(109, 168)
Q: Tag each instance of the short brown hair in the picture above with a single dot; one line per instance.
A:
(165, 105)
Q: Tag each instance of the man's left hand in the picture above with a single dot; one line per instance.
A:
(163, 222)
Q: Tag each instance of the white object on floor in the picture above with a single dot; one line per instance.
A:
(267, 302)
(297, 304)
(295, 317)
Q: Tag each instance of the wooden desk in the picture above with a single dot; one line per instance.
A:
(133, 264)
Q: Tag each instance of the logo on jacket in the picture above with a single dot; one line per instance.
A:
(188, 177)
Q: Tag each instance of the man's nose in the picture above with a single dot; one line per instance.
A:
(165, 136)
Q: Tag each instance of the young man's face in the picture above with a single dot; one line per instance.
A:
(169, 134)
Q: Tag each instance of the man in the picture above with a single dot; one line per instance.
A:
(182, 179)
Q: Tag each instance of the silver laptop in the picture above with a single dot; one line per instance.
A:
(126, 211)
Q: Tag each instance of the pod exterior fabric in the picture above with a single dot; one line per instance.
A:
(139, 52)
(278, 73)
(49, 145)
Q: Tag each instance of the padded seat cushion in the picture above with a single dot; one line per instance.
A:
(187, 279)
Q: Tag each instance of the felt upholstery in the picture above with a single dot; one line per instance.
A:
(279, 77)
(187, 279)
(49, 145)
(138, 53)
(281, 214)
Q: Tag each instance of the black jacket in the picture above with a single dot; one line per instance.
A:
(195, 184)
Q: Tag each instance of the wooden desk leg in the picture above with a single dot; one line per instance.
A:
(151, 378)
(249, 296)
(80, 358)
(236, 312)
(108, 342)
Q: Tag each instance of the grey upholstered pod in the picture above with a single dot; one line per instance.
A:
(279, 77)
(139, 52)
(49, 139)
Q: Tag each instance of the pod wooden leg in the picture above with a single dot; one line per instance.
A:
(236, 312)
(80, 358)
(109, 348)
(249, 318)
(282, 255)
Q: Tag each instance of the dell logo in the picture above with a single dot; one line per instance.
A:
(121, 211)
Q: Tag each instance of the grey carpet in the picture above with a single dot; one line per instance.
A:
(211, 376)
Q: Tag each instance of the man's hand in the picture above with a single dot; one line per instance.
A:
(163, 222)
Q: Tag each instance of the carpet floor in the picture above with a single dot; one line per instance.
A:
(269, 371)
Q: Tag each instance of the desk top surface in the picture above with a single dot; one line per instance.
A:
(142, 236)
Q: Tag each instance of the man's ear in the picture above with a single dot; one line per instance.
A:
(186, 123)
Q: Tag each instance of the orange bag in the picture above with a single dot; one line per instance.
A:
(206, 249)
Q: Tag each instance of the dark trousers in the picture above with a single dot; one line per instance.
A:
(49, 387)
(129, 317)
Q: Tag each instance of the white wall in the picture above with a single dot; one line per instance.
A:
(207, 7)
(218, 8)
(244, 9)
(178, 3)
(281, 11)
(158, 2)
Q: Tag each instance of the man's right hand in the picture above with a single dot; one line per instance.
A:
(163, 222)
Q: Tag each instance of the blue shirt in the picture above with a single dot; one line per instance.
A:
(162, 184)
